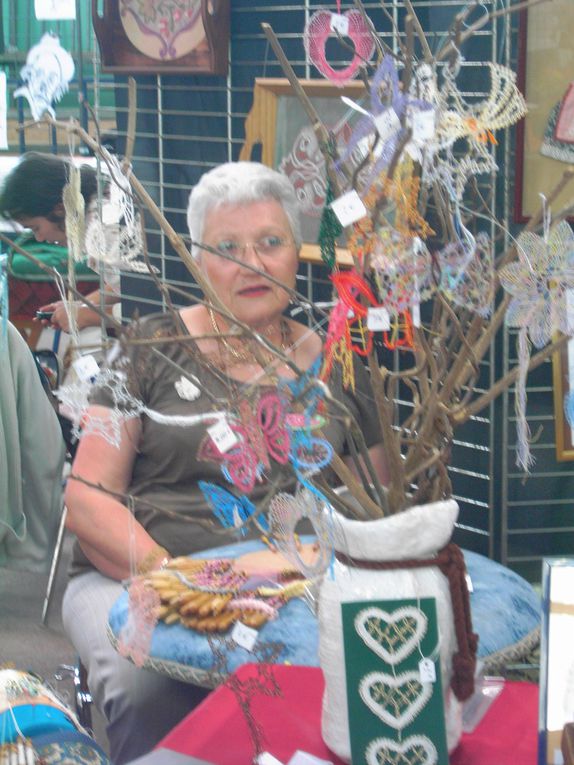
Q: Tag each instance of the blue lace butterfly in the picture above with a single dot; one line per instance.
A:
(230, 511)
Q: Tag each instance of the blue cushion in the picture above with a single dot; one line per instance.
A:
(505, 614)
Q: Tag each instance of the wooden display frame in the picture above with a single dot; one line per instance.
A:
(561, 379)
(260, 128)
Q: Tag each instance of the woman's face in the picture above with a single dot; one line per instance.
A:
(259, 235)
(51, 230)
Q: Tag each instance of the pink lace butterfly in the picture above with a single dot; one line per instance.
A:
(262, 435)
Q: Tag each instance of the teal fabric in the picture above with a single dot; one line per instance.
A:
(52, 255)
(31, 461)
(31, 720)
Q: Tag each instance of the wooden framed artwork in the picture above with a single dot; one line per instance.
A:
(175, 36)
(278, 123)
(556, 706)
(545, 138)
(563, 373)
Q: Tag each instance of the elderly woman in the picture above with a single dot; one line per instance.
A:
(247, 213)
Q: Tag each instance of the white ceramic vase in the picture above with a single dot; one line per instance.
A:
(418, 532)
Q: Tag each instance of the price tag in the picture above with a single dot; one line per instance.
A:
(469, 582)
(349, 208)
(222, 436)
(427, 671)
(340, 23)
(387, 123)
(423, 124)
(267, 759)
(416, 313)
(86, 367)
(244, 636)
(378, 319)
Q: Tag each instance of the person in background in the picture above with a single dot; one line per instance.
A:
(250, 213)
(32, 195)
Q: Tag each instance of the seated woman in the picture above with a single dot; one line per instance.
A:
(249, 213)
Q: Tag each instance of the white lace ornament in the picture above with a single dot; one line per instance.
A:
(46, 76)
(503, 107)
(395, 699)
(285, 512)
(75, 400)
(414, 750)
(394, 635)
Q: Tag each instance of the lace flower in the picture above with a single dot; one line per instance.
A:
(538, 282)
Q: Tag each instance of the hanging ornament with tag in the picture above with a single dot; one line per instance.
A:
(352, 24)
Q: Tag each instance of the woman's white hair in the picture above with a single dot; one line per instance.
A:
(240, 183)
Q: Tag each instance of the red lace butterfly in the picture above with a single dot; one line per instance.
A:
(262, 434)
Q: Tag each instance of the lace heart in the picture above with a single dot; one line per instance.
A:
(392, 636)
(414, 750)
(318, 30)
(395, 700)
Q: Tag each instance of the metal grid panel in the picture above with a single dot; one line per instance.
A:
(187, 124)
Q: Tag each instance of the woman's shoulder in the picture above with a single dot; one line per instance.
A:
(153, 325)
(307, 343)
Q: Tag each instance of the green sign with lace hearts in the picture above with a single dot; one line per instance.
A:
(396, 709)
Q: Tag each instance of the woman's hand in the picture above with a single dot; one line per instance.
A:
(85, 317)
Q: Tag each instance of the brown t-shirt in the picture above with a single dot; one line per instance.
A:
(167, 469)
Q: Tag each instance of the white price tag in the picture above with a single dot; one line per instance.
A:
(469, 583)
(378, 319)
(304, 758)
(387, 123)
(222, 436)
(340, 23)
(267, 759)
(423, 124)
(86, 367)
(244, 636)
(416, 313)
(51, 10)
(349, 208)
(427, 671)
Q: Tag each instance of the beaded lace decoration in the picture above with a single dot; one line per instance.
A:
(381, 127)
(320, 27)
(467, 273)
(537, 284)
(503, 107)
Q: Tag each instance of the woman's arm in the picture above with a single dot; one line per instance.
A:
(85, 316)
(105, 528)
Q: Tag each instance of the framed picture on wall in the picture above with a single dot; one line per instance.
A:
(562, 375)
(278, 133)
(174, 36)
(545, 138)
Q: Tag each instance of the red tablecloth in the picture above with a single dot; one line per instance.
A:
(217, 730)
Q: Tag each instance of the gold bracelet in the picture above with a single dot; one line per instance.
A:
(149, 562)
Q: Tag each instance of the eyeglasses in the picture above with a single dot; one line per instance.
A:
(266, 246)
